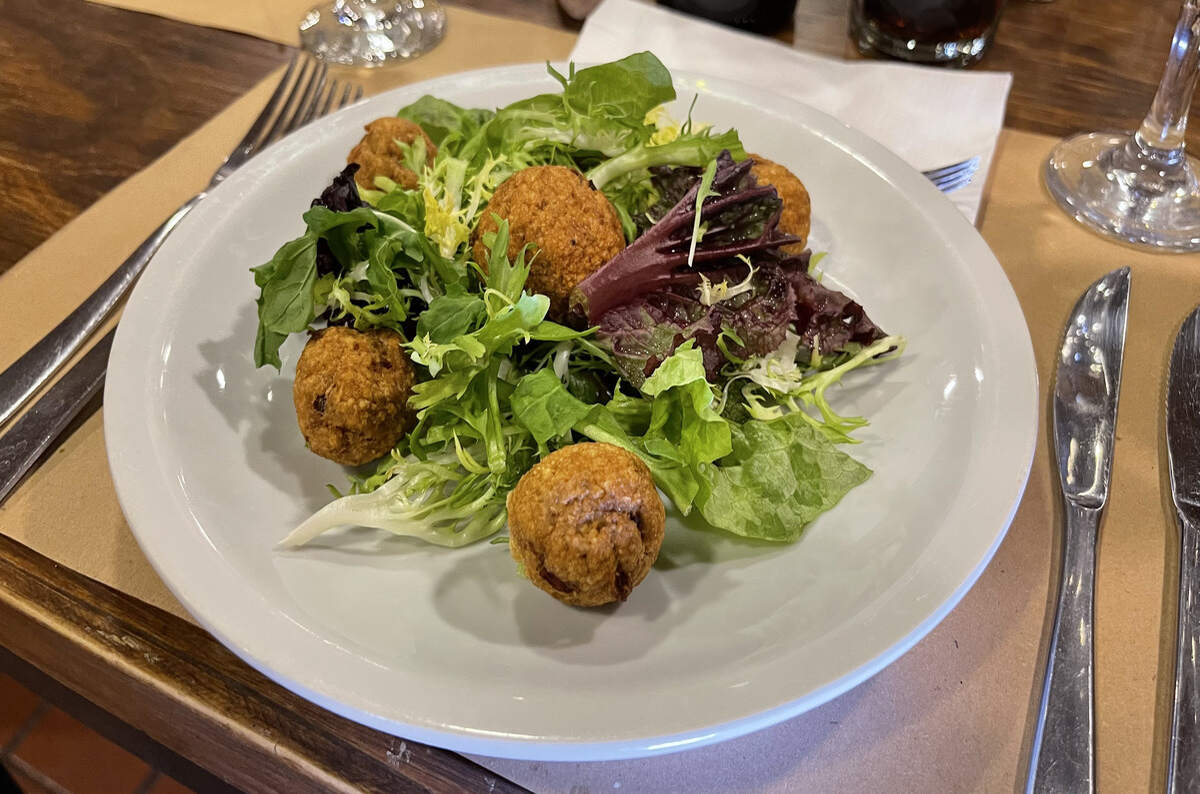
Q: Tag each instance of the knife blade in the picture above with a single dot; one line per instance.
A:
(1087, 386)
(1183, 455)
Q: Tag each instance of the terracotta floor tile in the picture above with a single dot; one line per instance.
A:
(78, 758)
(169, 785)
(16, 705)
(27, 784)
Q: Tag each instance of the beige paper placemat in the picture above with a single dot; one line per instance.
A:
(955, 713)
(500, 39)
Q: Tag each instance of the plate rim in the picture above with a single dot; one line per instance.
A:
(956, 230)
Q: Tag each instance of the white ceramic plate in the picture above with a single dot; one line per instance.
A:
(451, 647)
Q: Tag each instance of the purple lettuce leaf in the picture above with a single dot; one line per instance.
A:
(741, 218)
(340, 196)
(646, 330)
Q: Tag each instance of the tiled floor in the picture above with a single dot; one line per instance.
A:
(48, 752)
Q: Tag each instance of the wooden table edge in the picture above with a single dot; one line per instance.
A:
(173, 681)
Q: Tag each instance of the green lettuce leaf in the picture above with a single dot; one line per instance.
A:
(544, 407)
(684, 427)
(695, 149)
(449, 316)
(285, 304)
(322, 220)
(627, 89)
(681, 431)
(760, 479)
(780, 476)
(441, 119)
(266, 347)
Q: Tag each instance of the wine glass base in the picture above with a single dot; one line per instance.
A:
(378, 34)
(1100, 179)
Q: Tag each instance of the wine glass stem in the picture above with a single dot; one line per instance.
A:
(1164, 126)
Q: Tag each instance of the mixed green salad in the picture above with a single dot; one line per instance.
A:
(703, 347)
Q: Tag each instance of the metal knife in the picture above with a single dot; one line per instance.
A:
(1086, 388)
(39, 427)
(1183, 452)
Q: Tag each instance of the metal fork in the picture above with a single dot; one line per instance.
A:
(304, 93)
(949, 178)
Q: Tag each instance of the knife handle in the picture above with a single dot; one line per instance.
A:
(1183, 765)
(31, 435)
(1063, 747)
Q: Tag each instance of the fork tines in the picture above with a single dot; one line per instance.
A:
(312, 94)
(305, 92)
(955, 176)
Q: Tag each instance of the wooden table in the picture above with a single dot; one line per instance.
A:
(92, 94)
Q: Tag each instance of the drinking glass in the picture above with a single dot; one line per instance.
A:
(951, 32)
(763, 16)
(372, 32)
(1140, 187)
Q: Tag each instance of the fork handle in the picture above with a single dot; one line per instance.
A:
(31, 371)
(1183, 765)
(1063, 747)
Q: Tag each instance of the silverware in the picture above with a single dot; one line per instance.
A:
(1183, 452)
(310, 95)
(32, 434)
(1086, 389)
(949, 178)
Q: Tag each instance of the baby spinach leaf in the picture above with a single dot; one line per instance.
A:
(627, 89)
(543, 406)
(285, 305)
(441, 119)
(449, 316)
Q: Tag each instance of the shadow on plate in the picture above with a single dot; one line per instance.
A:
(467, 595)
(256, 403)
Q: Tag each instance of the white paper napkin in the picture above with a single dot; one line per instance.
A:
(930, 116)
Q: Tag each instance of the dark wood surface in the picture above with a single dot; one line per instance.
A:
(103, 92)
(1077, 64)
(99, 94)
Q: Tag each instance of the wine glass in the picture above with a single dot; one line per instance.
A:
(372, 32)
(1140, 187)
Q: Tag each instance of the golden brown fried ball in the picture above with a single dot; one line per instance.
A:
(378, 155)
(351, 393)
(572, 226)
(796, 218)
(586, 523)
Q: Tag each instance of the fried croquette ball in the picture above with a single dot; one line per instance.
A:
(796, 217)
(586, 523)
(572, 227)
(378, 155)
(351, 393)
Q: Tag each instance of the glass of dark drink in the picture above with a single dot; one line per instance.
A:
(762, 16)
(955, 32)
